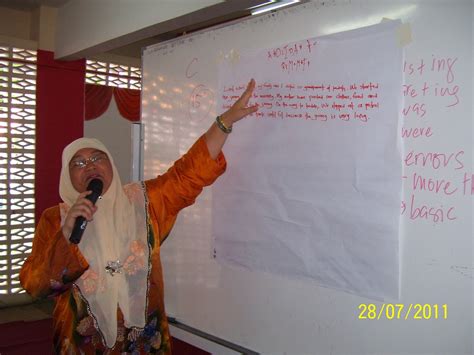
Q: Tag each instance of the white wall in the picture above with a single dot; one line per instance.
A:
(15, 23)
(28, 29)
(43, 27)
(116, 133)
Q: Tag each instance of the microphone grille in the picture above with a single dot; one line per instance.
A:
(96, 186)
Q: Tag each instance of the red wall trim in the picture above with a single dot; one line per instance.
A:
(60, 96)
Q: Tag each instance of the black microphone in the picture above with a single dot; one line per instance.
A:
(95, 185)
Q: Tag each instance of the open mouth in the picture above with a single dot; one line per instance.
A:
(94, 176)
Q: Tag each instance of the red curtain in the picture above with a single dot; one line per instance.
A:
(128, 103)
(98, 99)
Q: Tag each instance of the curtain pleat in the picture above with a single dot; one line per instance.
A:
(98, 99)
(128, 103)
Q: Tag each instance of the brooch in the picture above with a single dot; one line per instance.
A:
(114, 267)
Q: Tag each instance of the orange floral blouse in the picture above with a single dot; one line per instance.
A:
(54, 264)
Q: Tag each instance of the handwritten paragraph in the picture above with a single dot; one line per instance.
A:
(311, 102)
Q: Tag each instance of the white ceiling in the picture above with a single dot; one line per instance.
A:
(225, 11)
(28, 5)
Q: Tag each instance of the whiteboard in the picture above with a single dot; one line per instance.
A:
(273, 314)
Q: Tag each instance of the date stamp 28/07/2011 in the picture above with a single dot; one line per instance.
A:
(391, 311)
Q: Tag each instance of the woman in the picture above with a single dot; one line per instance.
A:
(109, 287)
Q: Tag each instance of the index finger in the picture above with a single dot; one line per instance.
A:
(82, 198)
(84, 194)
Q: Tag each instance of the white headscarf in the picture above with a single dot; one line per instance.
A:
(118, 232)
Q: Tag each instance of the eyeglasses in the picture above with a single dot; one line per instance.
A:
(94, 159)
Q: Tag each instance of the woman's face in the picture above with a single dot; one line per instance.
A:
(88, 164)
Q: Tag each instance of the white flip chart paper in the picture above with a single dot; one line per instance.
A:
(313, 184)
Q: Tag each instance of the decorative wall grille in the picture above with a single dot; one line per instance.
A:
(110, 74)
(17, 162)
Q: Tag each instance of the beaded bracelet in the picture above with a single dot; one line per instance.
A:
(222, 126)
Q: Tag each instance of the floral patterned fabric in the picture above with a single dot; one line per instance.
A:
(54, 264)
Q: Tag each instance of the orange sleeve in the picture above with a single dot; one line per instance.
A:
(53, 263)
(181, 184)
